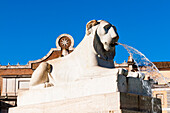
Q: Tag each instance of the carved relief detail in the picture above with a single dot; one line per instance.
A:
(65, 41)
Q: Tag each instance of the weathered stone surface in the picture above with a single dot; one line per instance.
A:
(116, 102)
(137, 86)
(81, 88)
(129, 101)
(140, 103)
(145, 103)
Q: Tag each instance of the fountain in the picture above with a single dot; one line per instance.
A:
(144, 65)
(86, 81)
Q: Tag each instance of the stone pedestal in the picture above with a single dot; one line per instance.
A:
(116, 102)
(82, 88)
(107, 94)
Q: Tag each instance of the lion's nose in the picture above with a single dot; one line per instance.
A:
(115, 39)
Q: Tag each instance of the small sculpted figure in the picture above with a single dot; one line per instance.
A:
(91, 58)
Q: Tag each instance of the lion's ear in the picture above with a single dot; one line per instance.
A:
(90, 25)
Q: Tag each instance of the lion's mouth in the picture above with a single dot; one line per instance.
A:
(113, 44)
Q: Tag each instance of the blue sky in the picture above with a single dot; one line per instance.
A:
(29, 28)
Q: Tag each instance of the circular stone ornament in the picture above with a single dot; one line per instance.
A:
(64, 41)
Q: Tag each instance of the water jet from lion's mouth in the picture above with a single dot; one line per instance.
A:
(144, 65)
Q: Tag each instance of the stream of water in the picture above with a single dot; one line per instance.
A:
(144, 65)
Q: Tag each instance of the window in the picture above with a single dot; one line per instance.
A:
(160, 96)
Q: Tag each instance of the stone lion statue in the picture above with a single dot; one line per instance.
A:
(92, 57)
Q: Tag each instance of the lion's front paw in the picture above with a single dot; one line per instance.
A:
(47, 84)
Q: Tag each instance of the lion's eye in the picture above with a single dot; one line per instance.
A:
(104, 29)
(107, 27)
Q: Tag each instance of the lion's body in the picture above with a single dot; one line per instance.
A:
(90, 58)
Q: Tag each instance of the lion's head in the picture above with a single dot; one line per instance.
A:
(104, 36)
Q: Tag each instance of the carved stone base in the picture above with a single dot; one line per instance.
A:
(82, 88)
(116, 102)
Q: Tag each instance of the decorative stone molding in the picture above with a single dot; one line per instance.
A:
(45, 57)
(15, 67)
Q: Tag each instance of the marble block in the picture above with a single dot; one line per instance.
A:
(116, 102)
(81, 88)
